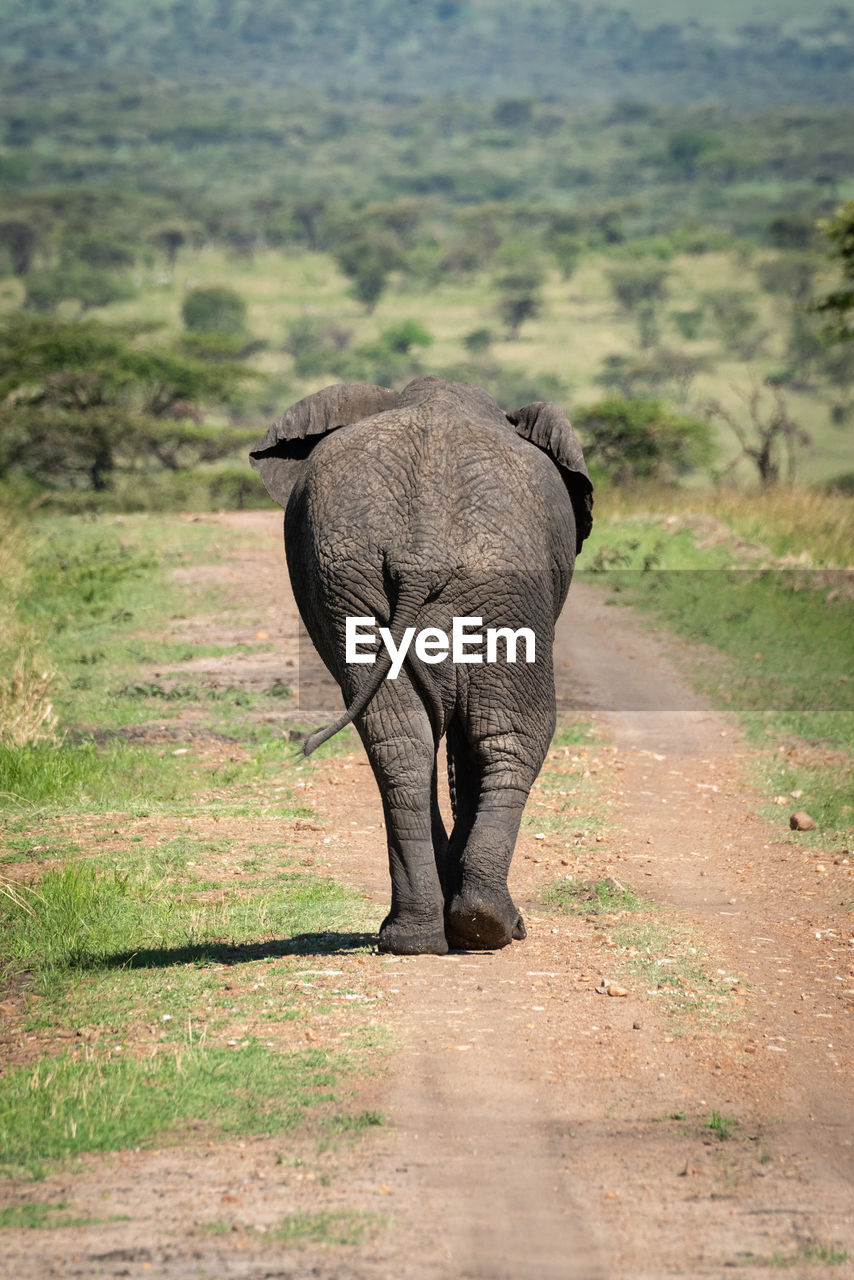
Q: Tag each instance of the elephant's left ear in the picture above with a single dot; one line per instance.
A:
(545, 426)
(277, 456)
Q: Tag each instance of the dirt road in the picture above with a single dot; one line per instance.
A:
(536, 1126)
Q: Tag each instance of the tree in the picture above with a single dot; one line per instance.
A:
(838, 305)
(636, 283)
(478, 341)
(685, 148)
(788, 275)
(90, 286)
(642, 440)
(19, 239)
(170, 238)
(214, 310)
(367, 262)
(766, 436)
(645, 377)
(520, 296)
(81, 401)
(736, 319)
(405, 335)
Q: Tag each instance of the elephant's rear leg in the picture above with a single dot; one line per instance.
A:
(479, 911)
(399, 740)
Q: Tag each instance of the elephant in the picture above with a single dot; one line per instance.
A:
(419, 511)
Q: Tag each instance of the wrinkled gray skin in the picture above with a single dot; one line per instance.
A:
(414, 507)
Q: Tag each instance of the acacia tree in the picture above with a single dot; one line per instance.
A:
(838, 305)
(632, 439)
(367, 262)
(520, 296)
(80, 402)
(767, 435)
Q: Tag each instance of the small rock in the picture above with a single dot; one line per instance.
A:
(801, 821)
(636, 1026)
(617, 991)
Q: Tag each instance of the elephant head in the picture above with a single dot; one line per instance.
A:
(291, 438)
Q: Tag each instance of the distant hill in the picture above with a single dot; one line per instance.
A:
(751, 53)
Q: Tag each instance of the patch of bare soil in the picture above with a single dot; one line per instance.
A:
(538, 1126)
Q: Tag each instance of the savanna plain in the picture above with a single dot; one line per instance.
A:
(207, 1069)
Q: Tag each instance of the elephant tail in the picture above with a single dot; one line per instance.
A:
(409, 605)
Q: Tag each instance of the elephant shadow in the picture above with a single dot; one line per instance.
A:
(329, 943)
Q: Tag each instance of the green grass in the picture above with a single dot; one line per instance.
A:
(669, 962)
(811, 1253)
(591, 897)
(82, 917)
(572, 733)
(323, 1228)
(88, 777)
(772, 645)
(38, 1215)
(63, 1106)
(723, 1127)
(826, 789)
(357, 1123)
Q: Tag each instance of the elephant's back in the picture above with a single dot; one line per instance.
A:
(452, 486)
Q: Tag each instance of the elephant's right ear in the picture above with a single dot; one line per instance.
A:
(545, 426)
(276, 457)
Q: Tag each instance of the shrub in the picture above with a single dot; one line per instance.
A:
(642, 439)
(214, 310)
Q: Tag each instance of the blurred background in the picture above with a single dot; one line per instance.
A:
(641, 211)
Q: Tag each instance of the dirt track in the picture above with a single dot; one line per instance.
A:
(531, 1128)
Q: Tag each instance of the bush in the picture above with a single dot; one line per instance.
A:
(642, 439)
(214, 310)
(638, 282)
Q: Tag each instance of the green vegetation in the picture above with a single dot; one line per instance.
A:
(172, 961)
(718, 589)
(723, 1127)
(81, 402)
(839, 303)
(769, 638)
(455, 46)
(324, 1228)
(596, 897)
(810, 1253)
(241, 247)
(64, 1106)
(39, 1215)
(85, 917)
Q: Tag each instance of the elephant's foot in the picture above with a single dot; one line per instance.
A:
(475, 922)
(412, 936)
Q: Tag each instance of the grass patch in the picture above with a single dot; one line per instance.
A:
(786, 521)
(591, 897)
(723, 1127)
(573, 733)
(357, 1123)
(86, 776)
(783, 634)
(672, 967)
(89, 776)
(83, 917)
(810, 1253)
(39, 1216)
(826, 790)
(64, 1107)
(323, 1228)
